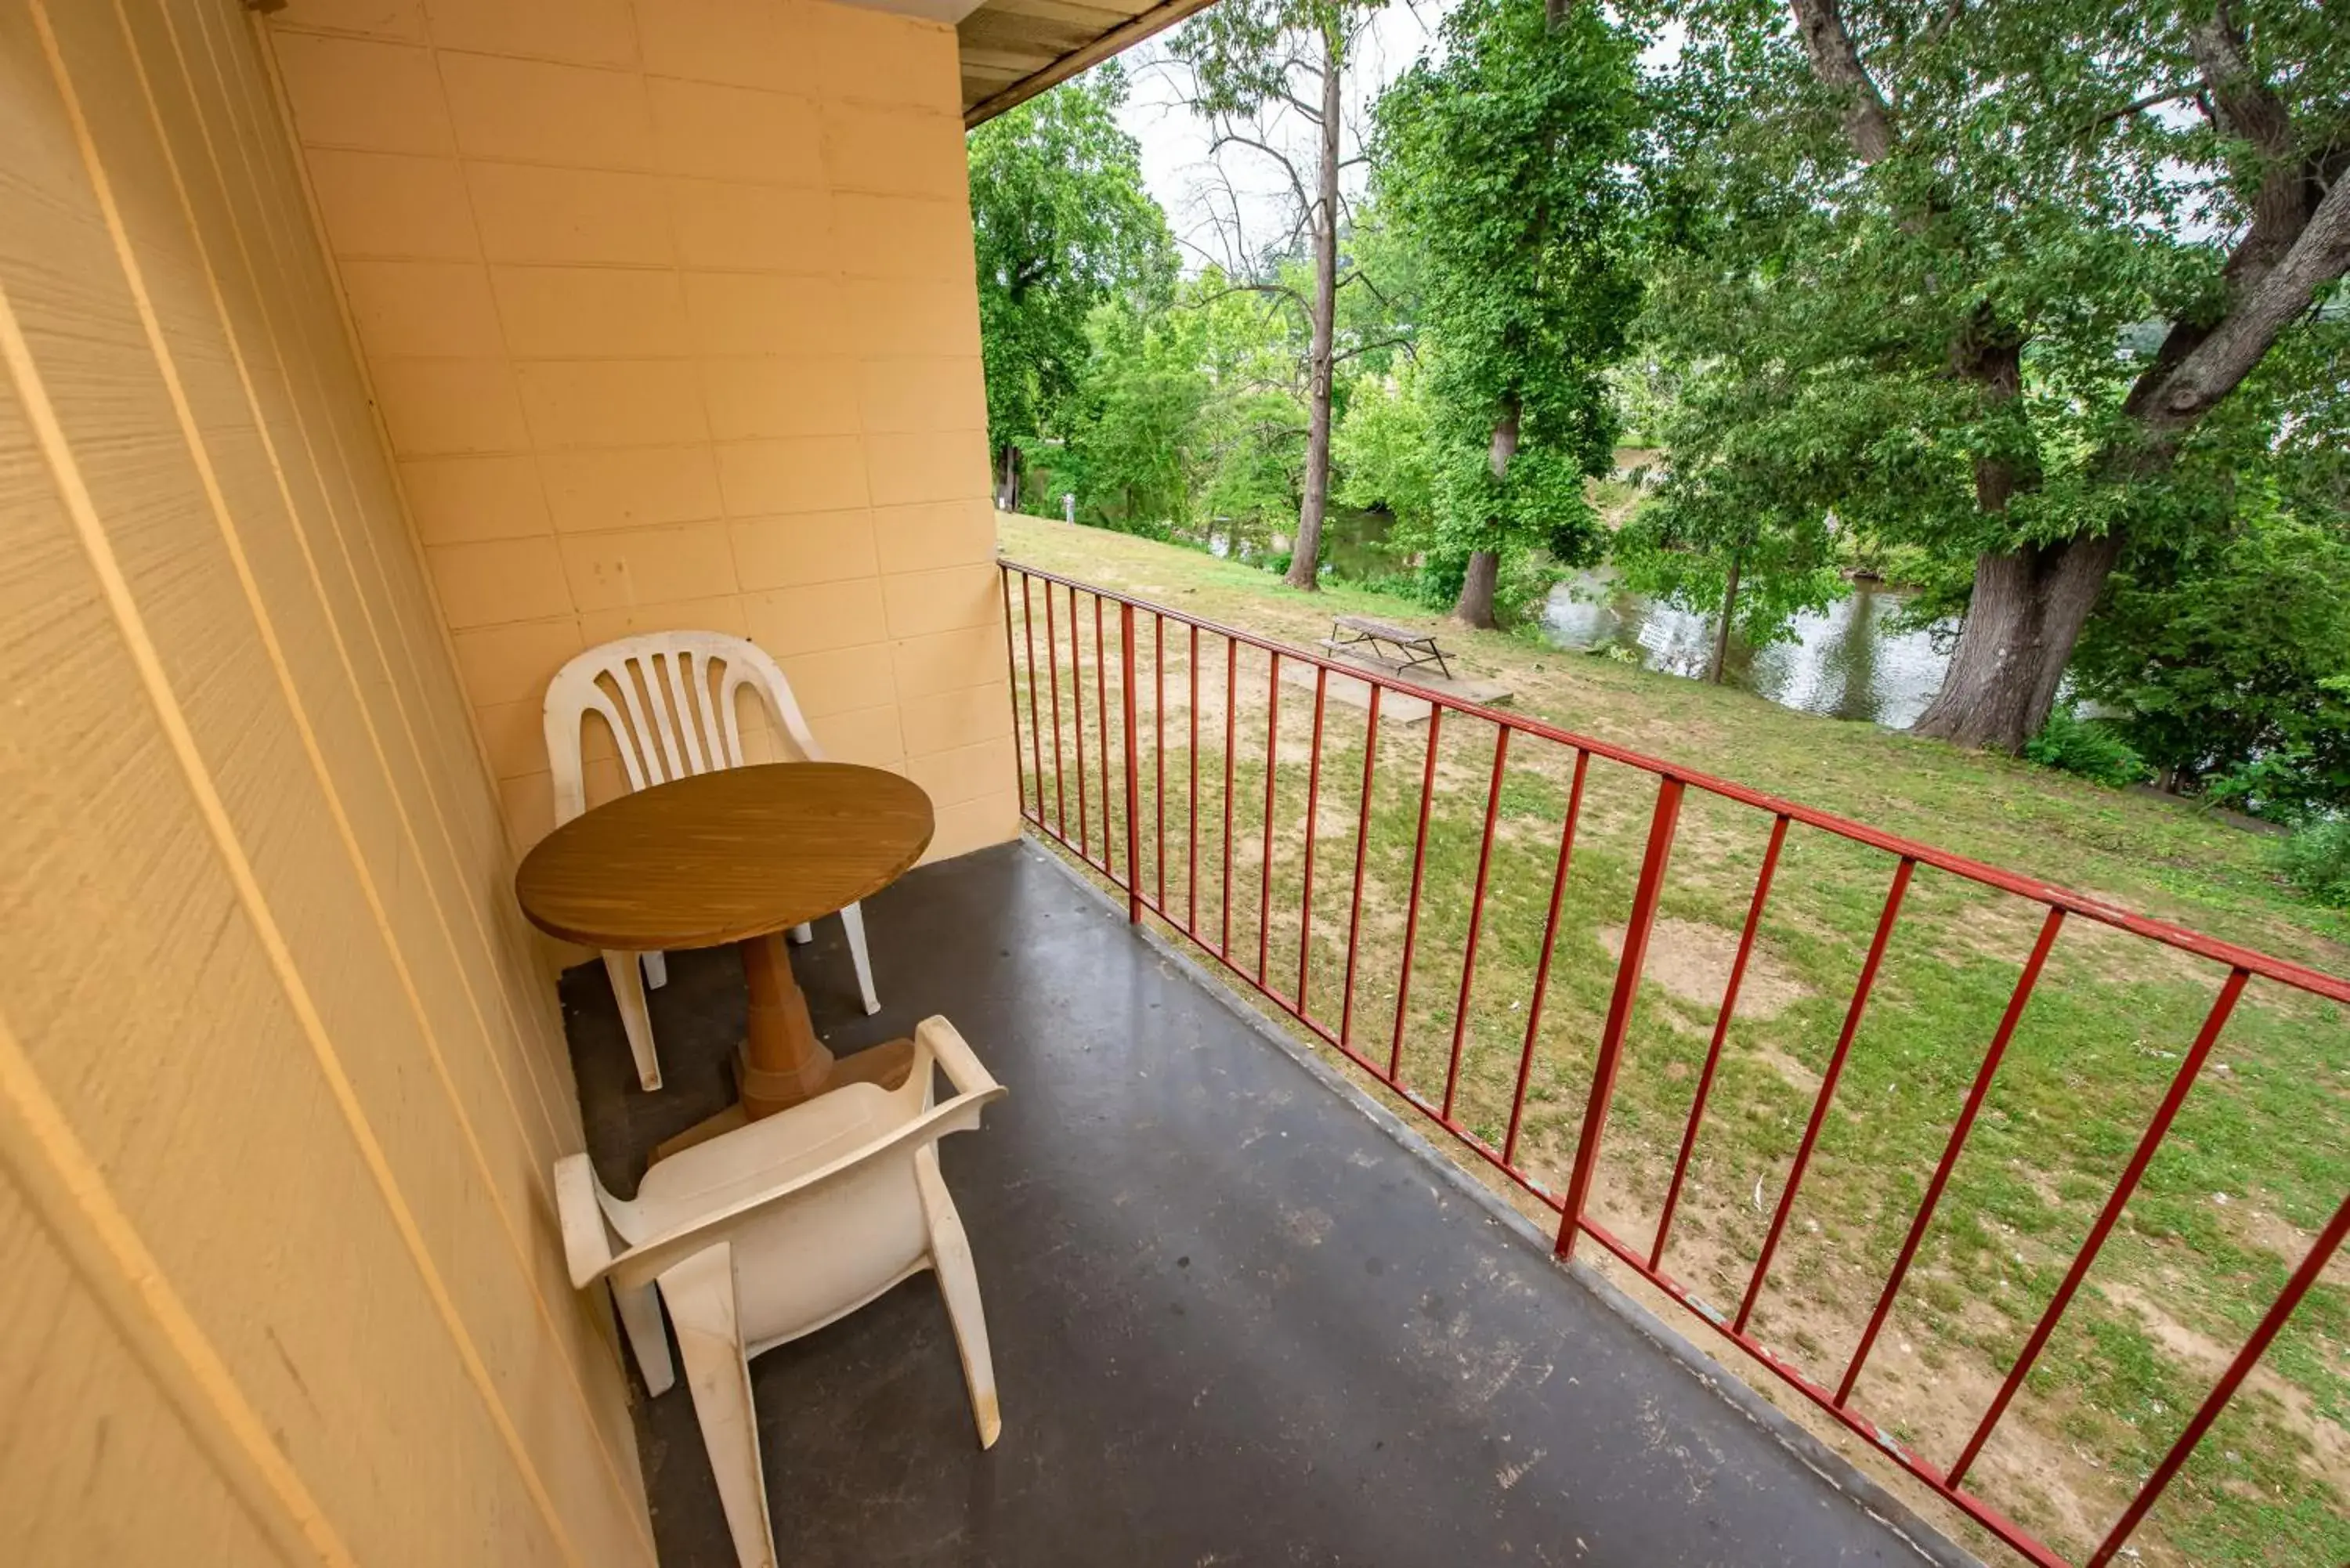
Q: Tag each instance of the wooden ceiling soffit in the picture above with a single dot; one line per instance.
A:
(1014, 49)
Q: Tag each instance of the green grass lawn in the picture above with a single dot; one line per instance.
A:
(2257, 1161)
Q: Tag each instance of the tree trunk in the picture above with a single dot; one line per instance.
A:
(2027, 611)
(1007, 479)
(1729, 613)
(1306, 555)
(1475, 604)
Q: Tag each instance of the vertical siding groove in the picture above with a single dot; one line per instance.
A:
(69, 1192)
(238, 359)
(515, 1242)
(518, 943)
(146, 658)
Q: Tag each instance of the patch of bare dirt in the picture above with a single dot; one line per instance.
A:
(2328, 1457)
(1691, 960)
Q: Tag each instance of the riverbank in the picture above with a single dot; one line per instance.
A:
(2163, 857)
(2258, 1158)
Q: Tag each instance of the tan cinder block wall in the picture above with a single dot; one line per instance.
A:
(670, 311)
(279, 1088)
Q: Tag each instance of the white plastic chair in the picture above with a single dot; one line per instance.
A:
(670, 699)
(774, 1229)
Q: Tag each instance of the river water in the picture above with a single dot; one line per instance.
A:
(1847, 661)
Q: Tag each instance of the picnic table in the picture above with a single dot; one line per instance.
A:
(1360, 637)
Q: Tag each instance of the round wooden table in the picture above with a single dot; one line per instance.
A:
(740, 855)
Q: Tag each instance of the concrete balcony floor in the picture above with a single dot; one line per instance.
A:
(1237, 1318)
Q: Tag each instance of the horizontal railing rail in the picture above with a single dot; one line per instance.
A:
(1111, 831)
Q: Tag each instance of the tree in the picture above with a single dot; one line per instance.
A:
(1133, 420)
(1381, 451)
(1508, 166)
(1248, 60)
(2022, 260)
(2225, 661)
(1060, 221)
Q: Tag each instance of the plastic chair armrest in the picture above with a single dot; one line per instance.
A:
(587, 1245)
(945, 1043)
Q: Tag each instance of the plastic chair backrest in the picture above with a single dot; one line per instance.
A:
(669, 697)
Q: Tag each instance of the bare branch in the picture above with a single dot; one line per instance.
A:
(1276, 290)
(1225, 138)
(2140, 105)
(1396, 342)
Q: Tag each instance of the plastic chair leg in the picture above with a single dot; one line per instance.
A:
(636, 1019)
(656, 969)
(853, 918)
(640, 1316)
(959, 1284)
(700, 1297)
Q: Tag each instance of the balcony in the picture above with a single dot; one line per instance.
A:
(1240, 1314)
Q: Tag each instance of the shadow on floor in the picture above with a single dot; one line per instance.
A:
(1234, 1321)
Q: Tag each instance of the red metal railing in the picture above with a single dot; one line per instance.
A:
(1046, 812)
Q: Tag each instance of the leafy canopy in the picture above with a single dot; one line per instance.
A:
(2050, 202)
(1507, 165)
(1060, 222)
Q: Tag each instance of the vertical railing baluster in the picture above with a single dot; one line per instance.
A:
(1053, 673)
(1313, 810)
(2049, 927)
(1232, 707)
(1133, 767)
(2329, 1242)
(1721, 1033)
(1476, 921)
(1077, 725)
(1411, 906)
(2143, 1156)
(1272, 768)
(1158, 748)
(1036, 729)
(1362, 846)
(1852, 1017)
(1646, 895)
(1101, 734)
(1011, 688)
(1542, 969)
(1191, 838)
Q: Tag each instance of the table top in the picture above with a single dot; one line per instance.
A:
(722, 856)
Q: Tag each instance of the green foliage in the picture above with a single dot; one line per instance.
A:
(1060, 222)
(1382, 451)
(1248, 451)
(1507, 165)
(1243, 53)
(1522, 588)
(1132, 419)
(1950, 341)
(2227, 658)
(2316, 859)
(2087, 747)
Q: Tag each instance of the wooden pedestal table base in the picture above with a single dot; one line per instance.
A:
(781, 1062)
(738, 856)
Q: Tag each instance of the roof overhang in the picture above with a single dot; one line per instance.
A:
(1014, 50)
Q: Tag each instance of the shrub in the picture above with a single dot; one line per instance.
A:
(2073, 744)
(2316, 859)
